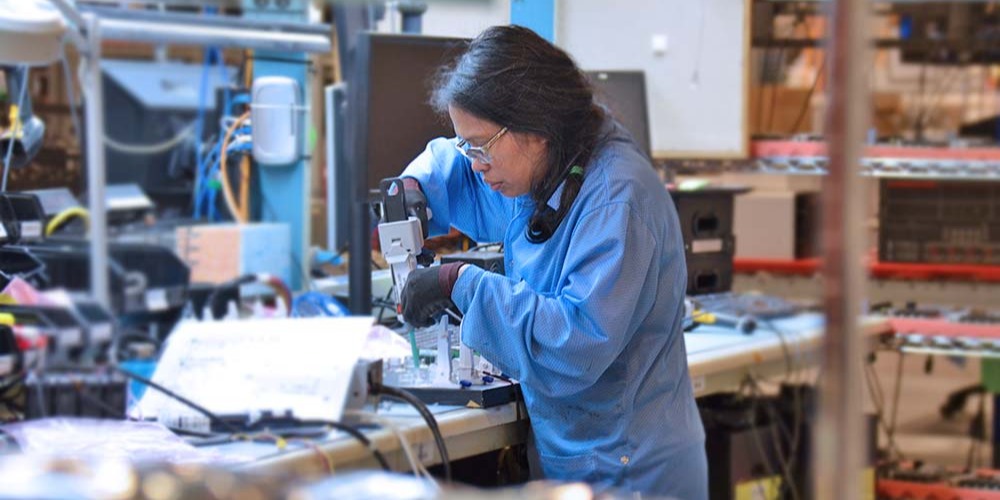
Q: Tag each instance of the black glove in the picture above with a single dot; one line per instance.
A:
(428, 293)
(416, 202)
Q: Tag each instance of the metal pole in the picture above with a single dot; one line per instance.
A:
(161, 16)
(134, 30)
(94, 113)
(839, 453)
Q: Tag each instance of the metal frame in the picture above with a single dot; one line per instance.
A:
(839, 450)
(888, 167)
(335, 96)
(92, 31)
(939, 292)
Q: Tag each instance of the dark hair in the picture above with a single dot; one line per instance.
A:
(512, 76)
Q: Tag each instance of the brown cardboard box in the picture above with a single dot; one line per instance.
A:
(774, 110)
(887, 113)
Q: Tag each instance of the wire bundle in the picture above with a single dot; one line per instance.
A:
(416, 403)
(212, 173)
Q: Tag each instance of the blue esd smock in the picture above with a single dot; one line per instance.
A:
(589, 321)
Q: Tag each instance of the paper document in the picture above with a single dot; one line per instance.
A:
(236, 367)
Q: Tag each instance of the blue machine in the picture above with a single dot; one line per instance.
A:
(285, 189)
(539, 15)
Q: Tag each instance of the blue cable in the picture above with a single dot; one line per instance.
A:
(312, 304)
(213, 200)
(328, 257)
(203, 159)
(213, 166)
(199, 129)
(203, 180)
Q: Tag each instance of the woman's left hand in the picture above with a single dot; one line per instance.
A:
(428, 293)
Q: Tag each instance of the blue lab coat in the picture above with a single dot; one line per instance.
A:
(589, 321)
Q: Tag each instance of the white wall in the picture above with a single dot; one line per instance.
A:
(464, 18)
(695, 89)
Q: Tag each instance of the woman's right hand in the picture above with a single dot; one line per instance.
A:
(428, 293)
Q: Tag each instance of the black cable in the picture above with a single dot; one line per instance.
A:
(12, 380)
(94, 400)
(400, 394)
(357, 434)
(499, 376)
(755, 431)
(8, 442)
(938, 95)
(774, 89)
(774, 86)
(976, 434)
(382, 305)
(895, 401)
(785, 352)
(871, 380)
(12, 402)
(808, 99)
(180, 431)
(785, 462)
(40, 394)
(236, 283)
(981, 424)
(181, 399)
(788, 464)
(918, 131)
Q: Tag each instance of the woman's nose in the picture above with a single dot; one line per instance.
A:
(478, 166)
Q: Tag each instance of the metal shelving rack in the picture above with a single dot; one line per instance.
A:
(89, 29)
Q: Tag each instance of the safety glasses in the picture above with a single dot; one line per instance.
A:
(480, 153)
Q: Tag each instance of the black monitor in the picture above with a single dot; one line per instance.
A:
(624, 92)
(390, 121)
(148, 103)
(397, 71)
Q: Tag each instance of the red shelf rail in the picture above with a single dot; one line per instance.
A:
(883, 270)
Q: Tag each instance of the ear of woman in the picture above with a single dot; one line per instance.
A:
(512, 78)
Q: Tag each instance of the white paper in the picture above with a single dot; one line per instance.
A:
(243, 366)
(156, 300)
(702, 246)
(31, 229)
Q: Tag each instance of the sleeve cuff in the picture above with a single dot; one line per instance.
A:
(465, 287)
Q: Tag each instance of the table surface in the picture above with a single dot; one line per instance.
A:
(718, 359)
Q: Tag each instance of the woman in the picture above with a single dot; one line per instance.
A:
(588, 315)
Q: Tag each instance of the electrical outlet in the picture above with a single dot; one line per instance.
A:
(660, 44)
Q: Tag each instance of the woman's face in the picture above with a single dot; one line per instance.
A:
(515, 158)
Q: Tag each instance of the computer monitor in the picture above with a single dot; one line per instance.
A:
(400, 121)
(624, 92)
(390, 121)
(150, 102)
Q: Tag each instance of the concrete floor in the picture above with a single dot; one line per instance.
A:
(922, 433)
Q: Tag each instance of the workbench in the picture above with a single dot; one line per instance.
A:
(719, 360)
